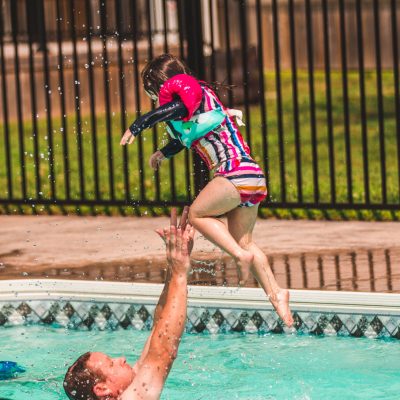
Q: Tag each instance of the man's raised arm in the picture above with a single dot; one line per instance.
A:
(170, 319)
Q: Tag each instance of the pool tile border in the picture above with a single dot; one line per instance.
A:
(85, 315)
(211, 310)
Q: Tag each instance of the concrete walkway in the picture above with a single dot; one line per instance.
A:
(29, 242)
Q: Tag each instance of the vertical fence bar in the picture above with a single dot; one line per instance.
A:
(165, 25)
(62, 103)
(7, 148)
(194, 37)
(296, 122)
(328, 85)
(228, 52)
(261, 79)
(310, 58)
(47, 91)
(110, 157)
(32, 85)
(137, 94)
(195, 59)
(363, 108)
(14, 32)
(380, 100)
(277, 59)
(245, 70)
(172, 178)
(182, 55)
(396, 78)
(345, 100)
(92, 99)
(77, 101)
(121, 79)
(150, 56)
(212, 44)
(181, 28)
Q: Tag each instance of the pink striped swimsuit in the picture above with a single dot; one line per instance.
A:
(224, 150)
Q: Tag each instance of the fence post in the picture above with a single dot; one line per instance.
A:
(193, 33)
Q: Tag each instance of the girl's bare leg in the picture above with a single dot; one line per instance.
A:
(217, 198)
(241, 223)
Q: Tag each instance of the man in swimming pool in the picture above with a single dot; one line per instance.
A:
(96, 376)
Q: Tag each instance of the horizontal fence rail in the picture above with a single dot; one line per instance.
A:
(317, 80)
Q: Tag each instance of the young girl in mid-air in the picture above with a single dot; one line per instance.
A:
(197, 119)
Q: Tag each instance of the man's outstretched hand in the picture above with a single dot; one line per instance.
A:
(178, 239)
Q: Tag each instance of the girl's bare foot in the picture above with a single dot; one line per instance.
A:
(243, 263)
(280, 301)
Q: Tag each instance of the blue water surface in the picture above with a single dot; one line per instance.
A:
(229, 366)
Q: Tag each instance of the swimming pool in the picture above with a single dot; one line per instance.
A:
(224, 366)
(46, 324)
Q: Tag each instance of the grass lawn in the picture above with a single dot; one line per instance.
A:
(253, 123)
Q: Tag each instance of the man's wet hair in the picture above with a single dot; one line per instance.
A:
(80, 380)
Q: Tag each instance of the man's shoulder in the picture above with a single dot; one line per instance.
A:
(141, 392)
(147, 384)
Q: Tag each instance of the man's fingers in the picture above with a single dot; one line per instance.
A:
(185, 243)
(131, 139)
(179, 239)
(184, 218)
(192, 232)
(160, 232)
(174, 218)
(188, 233)
(172, 238)
(167, 239)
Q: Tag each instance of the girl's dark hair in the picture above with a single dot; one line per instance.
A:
(160, 69)
(164, 67)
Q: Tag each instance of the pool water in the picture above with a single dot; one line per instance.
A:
(229, 366)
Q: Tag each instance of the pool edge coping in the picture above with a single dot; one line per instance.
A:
(199, 296)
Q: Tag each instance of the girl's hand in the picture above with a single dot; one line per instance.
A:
(128, 138)
(155, 159)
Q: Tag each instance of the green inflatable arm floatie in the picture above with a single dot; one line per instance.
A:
(197, 127)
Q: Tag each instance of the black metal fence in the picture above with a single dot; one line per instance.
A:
(318, 81)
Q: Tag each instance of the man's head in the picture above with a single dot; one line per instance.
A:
(96, 376)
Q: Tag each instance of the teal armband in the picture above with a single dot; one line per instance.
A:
(197, 127)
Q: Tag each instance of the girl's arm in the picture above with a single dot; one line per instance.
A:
(170, 111)
(172, 148)
(187, 88)
(168, 151)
